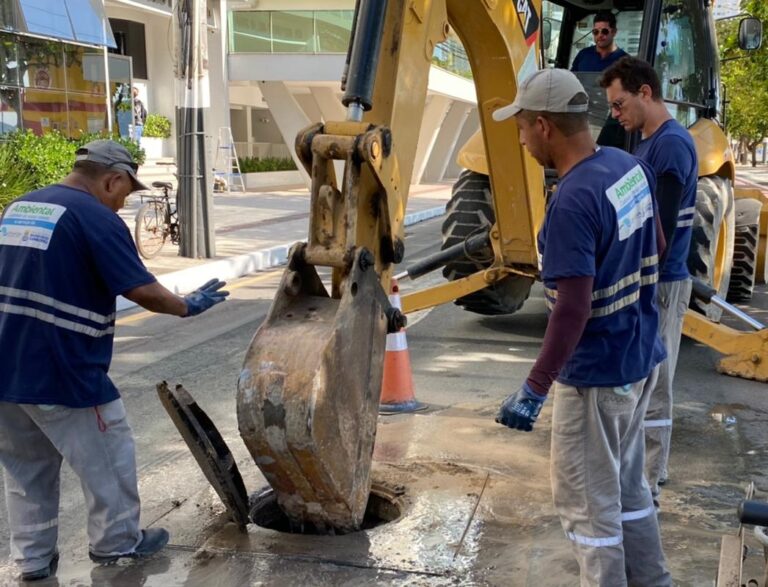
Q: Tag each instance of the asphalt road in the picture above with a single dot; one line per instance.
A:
(463, 366)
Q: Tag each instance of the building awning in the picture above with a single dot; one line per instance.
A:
(81, 21)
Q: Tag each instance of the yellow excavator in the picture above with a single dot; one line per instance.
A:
(309, 390)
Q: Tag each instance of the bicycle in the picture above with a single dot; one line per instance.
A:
(156, 221)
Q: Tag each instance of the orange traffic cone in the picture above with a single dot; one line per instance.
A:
(397, 395)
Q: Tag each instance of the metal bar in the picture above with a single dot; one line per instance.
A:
(736, 313)
(441, 258)
(471, 517)
(250, 554)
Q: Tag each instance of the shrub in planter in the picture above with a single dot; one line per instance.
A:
(15, 179)
(136, 152)
(256, 165)
(157, 126)
(49, 157)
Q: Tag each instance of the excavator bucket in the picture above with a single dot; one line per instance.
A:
(309, 390)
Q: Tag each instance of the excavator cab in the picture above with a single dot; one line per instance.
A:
(678, 38)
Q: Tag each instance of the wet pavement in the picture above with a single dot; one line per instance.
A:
(474, 497)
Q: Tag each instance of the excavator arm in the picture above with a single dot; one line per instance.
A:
(309, 389)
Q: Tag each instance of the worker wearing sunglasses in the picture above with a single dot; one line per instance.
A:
(604, 52)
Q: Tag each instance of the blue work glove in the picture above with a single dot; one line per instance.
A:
(204, 297)
(521, 409)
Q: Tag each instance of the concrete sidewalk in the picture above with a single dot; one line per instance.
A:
(255, 230)
(756, 177)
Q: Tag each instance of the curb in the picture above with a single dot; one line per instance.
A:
(186, 280)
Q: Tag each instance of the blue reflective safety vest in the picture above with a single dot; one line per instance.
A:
(64, 257)
(600, 223)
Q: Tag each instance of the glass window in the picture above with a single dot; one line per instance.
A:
(9, 110)
(451, 56)
(41, 64)
(334, 28)
(553, 15)
(9, 60)
(46, 17)
(44, 111)
(628, 25)
(250, 32)
(89, 22)
(8, 16)
(293, 32)
(87, 113)
(74, 60)
(682, 57)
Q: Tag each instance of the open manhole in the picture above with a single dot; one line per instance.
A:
(384, 505)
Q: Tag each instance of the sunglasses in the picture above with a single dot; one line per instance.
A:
(603, 32)
(618, 105)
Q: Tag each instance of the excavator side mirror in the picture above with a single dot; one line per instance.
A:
(750, 33)
(546, 34)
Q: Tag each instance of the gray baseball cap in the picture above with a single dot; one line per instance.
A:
(547, 90)
(111, 154)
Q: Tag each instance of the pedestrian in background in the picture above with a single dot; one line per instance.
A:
(598, 254)
(139, 117)
(634, 95)
(65, 255)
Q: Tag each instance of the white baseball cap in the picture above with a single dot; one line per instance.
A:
(547, 90)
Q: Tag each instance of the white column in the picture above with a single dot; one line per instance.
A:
(288, 116)
(217, 116)
(328, 102)
(331, 108)
(434, 113)
(248, 132)
(446, 141)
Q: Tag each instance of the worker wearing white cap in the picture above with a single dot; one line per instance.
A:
(598, 254)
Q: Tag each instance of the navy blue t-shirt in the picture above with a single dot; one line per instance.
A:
(670, 150)
(600, 223)
(588, 59)
(64, 257)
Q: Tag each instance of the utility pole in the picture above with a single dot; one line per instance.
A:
(194, 197)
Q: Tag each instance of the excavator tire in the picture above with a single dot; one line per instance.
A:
(746, 240)
(469, 211)
(711, 253)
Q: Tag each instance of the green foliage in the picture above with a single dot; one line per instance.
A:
(136, 152)
(448, 65)
(48, 158)
(745, 76)
(15, 179)
(256, 165)
(157, 126)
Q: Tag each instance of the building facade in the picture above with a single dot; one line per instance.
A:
(274, 66)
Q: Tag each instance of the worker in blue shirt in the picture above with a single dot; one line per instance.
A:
(604, 52)
(65, 255)
(596, 58)
(634, 94)
(598, 254)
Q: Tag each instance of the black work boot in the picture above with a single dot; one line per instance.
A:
(43, 573)
(153, 540)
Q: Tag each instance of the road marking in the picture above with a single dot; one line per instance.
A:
(240, 283)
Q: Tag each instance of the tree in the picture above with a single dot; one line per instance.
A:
(745, 76)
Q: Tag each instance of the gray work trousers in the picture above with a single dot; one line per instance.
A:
(98, 444)
(672, 299)
(599, 488)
